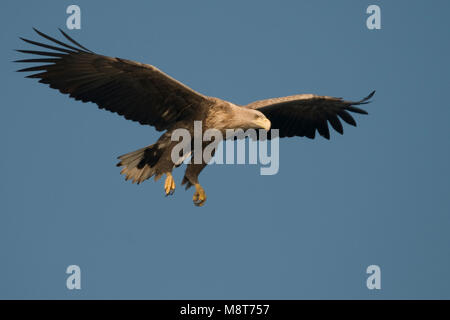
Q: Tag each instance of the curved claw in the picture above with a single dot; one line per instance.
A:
(199, 197)
(169, 184)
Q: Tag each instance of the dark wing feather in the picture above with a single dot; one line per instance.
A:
(301, 115)
(139, 92)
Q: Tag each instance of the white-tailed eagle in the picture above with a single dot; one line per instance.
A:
(142, 93)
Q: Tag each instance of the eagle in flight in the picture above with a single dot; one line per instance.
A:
(142, 93)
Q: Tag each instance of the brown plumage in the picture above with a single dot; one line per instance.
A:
(142, 93)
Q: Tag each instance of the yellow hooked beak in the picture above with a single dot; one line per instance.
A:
(263, 123)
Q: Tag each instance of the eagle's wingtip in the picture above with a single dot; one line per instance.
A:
(366, 99)
(370, 95)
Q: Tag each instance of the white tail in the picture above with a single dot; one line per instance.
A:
(136, 166)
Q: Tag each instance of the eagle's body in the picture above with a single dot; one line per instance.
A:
(142, 93)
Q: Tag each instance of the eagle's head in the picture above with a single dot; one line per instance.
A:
(258, 120)
(247, 119)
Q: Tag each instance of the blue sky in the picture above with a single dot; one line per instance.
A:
(376, 195)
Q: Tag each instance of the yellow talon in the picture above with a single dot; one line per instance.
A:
(169, 184)
(199, 197)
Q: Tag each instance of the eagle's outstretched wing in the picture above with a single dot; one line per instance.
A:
(139, 92)
(301, 115)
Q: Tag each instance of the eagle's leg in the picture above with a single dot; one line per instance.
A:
(169, 184)
(199, 197)
(191, 179)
